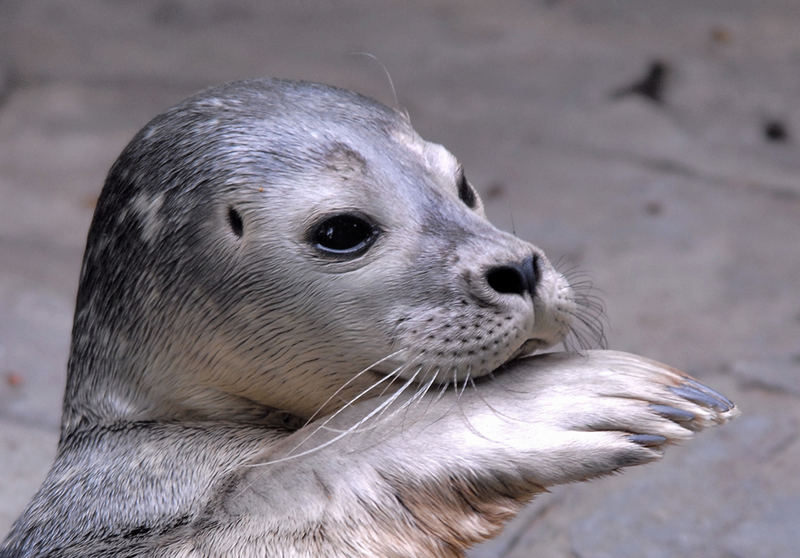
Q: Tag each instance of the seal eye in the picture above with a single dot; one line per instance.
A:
(465, 192)
(345, 234)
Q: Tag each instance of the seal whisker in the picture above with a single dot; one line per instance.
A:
(323, 425)
(383, 419)
(427, 386)
(421, 387)
(588, 316)
(399, 371)
(290, 455)
(388, 379)
(378, 413)
(467, 422)
(493, 408)
(384, 409)
(420, 393)
(388, 78)
(442, 391)
(394, 375)
(350, 381)
(463, 387)
(588, 330)
(587, 327)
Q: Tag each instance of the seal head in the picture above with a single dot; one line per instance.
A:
(272, 244)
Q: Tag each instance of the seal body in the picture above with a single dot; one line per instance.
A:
(296, 334)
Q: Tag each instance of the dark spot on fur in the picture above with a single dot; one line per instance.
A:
(178, 522)
(344, 160)
(137, 532)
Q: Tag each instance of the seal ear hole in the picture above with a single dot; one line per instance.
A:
(465, 192)
(235, 222)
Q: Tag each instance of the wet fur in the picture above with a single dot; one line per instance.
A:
(234, 394)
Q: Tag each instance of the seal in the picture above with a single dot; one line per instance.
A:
(296, 334)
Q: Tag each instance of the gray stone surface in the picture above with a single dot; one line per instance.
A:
(686, 216)
(27, 452)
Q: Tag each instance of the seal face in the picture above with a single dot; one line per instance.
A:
(277, 243)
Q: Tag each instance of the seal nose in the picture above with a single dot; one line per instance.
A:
(515, 278)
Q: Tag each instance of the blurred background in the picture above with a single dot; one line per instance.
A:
(654, 145)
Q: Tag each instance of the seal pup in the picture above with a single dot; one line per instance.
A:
(296, 334)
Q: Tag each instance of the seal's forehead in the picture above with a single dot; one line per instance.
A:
(277, 100)
(440, 159)
(255, 127)
(436, 156)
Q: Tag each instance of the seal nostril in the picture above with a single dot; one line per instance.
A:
(515, 278)
(507, 279)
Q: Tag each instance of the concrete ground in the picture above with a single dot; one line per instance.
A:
(680, 195)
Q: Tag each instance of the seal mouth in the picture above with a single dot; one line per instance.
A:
(525, 350)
